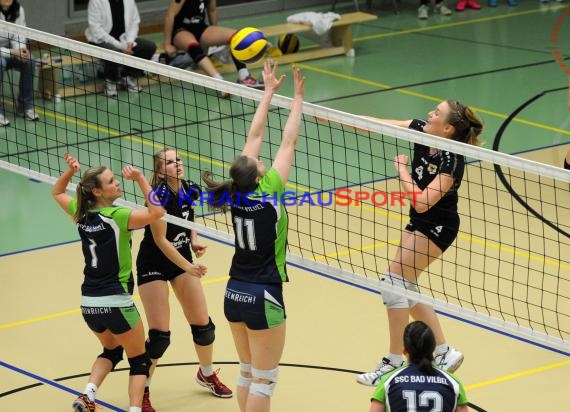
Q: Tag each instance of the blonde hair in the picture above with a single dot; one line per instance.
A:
(158, 161)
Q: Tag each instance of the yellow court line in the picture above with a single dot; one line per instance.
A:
(452, 24)
(517, 375)
(349, 251)
(513, 251)
(75, 311)
(39, 318)
(430, 98)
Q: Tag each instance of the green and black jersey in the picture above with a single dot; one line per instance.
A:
(260, 227)
(106, 243)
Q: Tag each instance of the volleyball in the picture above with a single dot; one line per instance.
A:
(248, 45)
(288, 43)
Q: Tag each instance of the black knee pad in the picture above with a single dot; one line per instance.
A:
(140, 365)
(114, 355)
(196, 52)
(204, 335)
(157, 343)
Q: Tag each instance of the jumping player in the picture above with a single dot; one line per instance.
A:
(433, 226)
(253, 302)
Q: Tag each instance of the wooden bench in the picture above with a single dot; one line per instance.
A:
(52, 83)
(51, 74)
(340, 36)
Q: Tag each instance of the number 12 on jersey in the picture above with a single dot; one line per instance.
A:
(245, 225)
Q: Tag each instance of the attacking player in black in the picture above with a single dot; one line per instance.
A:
(434, 224)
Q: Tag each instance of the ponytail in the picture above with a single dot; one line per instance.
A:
(419, 341)
(244, 174)
(468, 126)
(85, 198)
(218, 189)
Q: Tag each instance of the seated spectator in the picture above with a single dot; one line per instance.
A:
(114, 25)
(186, 29)
(14, 54)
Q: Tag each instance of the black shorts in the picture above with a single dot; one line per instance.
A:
(117, 320)
(150, 274)
(259, 306)
(441, 233)
(197, 29)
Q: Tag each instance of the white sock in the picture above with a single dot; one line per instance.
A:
(218, 76)
(135, 409)
(243, 73)
(207, 370)
(441, 349)
(91, 391)
(395, 360)
(147, 384)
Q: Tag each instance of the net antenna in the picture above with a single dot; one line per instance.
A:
(506, 270)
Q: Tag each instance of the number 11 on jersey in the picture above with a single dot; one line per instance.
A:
(245, 225)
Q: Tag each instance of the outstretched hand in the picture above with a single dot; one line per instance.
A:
(271, 82)
(72, 162)
(299, 83)
(131, 173)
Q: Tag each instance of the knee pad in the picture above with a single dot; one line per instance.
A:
(114, 355)
(140, 365)
(263, 389)
(157, 343)
(204, 335)
(196, 52)
(414, 288)
(244, 381)
(395, 301)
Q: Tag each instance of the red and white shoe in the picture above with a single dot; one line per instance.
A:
(214, 384)
(146, 405)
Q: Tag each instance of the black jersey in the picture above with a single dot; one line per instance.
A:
(409, 389)
(177, 204)
(425, 168)
(192, 12)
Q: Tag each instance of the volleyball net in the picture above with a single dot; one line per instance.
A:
(508, 269)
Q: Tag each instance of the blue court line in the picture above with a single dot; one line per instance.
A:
(346, 282)
(56, 385)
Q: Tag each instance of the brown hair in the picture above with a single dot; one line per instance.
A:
(466, 123)
(85, 197)
(243, 173)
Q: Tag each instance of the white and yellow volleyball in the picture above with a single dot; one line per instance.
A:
(248, 45)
